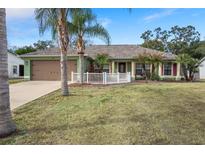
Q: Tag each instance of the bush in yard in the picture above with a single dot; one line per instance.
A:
(168, 78)
(155, 77)
(101, 60)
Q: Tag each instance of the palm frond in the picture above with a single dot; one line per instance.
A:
(98, 31)
(84, 24)
(47, 19)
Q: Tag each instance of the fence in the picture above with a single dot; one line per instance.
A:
(101, 78)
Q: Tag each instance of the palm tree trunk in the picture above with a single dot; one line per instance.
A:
(63, 41)
(81, 63)
(6, 124)
(80, 46)
(64, 75)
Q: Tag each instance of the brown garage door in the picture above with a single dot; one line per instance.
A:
(50, 70)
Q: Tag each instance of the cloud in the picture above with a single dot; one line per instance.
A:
(104, 21)
(158, 15)
(19, 13)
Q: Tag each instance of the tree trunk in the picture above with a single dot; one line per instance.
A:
(81, 63)
(6, 124)
(64, 76)
(191, 75)
(145, 73)
(185, 72)
(80, 47)
(63, 41)
(153, 68)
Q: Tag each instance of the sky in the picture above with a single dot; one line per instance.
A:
(124, 27)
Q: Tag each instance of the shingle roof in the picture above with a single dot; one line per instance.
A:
(47, 52)
(114, 52)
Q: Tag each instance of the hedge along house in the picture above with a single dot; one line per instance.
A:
(45, 64)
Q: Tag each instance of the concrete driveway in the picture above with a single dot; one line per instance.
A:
(24, 92)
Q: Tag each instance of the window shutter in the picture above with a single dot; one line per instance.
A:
(162, 69)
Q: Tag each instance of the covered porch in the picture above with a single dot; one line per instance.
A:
(120, 66)
(167, 69)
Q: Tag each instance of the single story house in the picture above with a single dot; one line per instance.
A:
(15, 66)
(45, 65)
(202, 70)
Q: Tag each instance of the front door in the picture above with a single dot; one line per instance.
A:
(122, 68)
(21, 70)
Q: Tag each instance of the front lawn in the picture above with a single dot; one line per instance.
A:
(154, 113)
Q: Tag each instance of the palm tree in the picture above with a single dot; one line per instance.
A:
(84, 25)
(6, 124)
(189, 65)
(56, 19)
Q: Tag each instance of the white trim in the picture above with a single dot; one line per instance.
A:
(133, 64)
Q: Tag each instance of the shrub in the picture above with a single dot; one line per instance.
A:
(155, 77)
(168, 78)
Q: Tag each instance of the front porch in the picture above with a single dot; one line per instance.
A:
(120, 66)
(165, 70)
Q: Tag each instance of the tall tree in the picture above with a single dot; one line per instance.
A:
(163, 38)
(6, 124)
(182, 41)
(83, 26)
(152, 42)
(42, 45)
(56, 20)
(24, 50)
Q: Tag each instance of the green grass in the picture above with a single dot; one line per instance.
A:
(155, 113)
(14, 81)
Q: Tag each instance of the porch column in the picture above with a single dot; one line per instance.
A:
(110, 67)
(160, 69)
(126, 67)
(117, 66)
(113, 67)
(133, 70)
(178, 70)
(150, 67)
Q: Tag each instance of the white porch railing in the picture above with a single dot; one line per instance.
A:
(101, 78)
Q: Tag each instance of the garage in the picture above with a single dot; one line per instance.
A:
(50, 69)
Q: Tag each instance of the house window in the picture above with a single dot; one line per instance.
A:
(139, 69)
(167, 69)
(14, 69)
(147, 68)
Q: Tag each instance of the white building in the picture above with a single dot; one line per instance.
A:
(15, 66)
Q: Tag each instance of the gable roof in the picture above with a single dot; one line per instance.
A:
(114, 52)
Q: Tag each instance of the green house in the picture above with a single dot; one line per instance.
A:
(45, 64)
